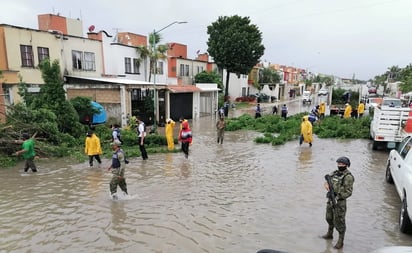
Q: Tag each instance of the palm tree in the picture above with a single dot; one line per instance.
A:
(148, 52)
(144, 53)
(393, 73)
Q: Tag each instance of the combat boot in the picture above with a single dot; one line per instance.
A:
(329, 234)
(339, 244)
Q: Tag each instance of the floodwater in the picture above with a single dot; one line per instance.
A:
(238, 197)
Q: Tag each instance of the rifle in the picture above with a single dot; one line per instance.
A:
(331, 193)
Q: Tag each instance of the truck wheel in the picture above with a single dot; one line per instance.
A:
(375, 145)
(404, 221)
(388, 175)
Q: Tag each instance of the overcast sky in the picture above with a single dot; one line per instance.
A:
(339, 37)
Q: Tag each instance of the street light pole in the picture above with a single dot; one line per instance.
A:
(155, 70)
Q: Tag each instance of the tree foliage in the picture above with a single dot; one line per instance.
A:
(277, 131)
(153, 52)
(51, 100)
(268, 76)
(83, 107)
(209, 77)
(235, 45)
(394, 74)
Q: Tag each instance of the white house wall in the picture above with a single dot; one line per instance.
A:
(235, 84)
(83, 45)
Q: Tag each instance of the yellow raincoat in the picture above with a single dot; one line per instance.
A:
(361, 108)
(306, 130)
(170, 124)
(348, 111)
(92, 145)
(322, 108)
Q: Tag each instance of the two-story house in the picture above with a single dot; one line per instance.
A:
(22, 49)
(108, 69)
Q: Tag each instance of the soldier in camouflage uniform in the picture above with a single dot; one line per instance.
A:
(342, 182)
(117, 168)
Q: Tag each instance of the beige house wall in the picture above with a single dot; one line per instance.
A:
(60, 49)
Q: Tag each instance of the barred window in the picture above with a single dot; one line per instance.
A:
(77, 57)
(181, 70)
(26, 56)
(187, 71)
(160, 68)
(127, 65)
(43, 53)
(136, 66)
(89, 61)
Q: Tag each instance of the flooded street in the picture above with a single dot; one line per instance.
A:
(235, 197)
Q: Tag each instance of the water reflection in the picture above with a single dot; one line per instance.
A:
(305, 158)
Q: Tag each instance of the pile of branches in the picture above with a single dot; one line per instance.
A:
(11, 139)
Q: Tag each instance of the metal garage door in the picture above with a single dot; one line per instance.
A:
(181, 105)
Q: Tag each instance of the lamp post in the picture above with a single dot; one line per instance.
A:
(155, 70)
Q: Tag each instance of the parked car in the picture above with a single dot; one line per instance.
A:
(394, 249)
(372, 90)
(392, 102)
(323, 92)
(399, 172)
(307, 97)
(262, 97)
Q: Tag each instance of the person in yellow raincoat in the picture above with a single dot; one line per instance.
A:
(361, 109)
(92, 148)
(170, 125)
(306, 131)
(348, 111)
(322, 109)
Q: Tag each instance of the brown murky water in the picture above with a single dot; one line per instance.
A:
(235, 197)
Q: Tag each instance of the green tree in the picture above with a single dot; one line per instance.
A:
(209, 77)
(83, 107)
(144, 53)
(151, 53)
(52, 96)
(405, 76)
(235, 45)
(327, 80)
(24, 93)
(268, 76)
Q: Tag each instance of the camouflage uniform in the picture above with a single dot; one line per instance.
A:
(118, 168)
(342, 183)
(343, 186)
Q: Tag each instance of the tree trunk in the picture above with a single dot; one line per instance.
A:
(227, 84)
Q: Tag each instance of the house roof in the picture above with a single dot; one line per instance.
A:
(207, 87)
(183, 88)
(116, 80)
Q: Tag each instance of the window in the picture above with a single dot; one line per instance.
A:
(7, 96)
(160, 68)
(43, 53)
(186, 70)
(89, 62)
(77, 59)
(402, 144)
(199, 69)
(181, 70)
(83, 60)
(136, 66)
(406, 150)
(26, 56)
(127, 65)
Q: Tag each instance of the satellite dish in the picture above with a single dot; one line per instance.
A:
(91, 28)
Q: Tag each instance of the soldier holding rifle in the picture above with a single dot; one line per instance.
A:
(339, 185)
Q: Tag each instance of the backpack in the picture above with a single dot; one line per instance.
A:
(124, 155)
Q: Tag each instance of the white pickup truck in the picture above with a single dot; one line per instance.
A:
(399, 171)
(387, 125)
(307, 97)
